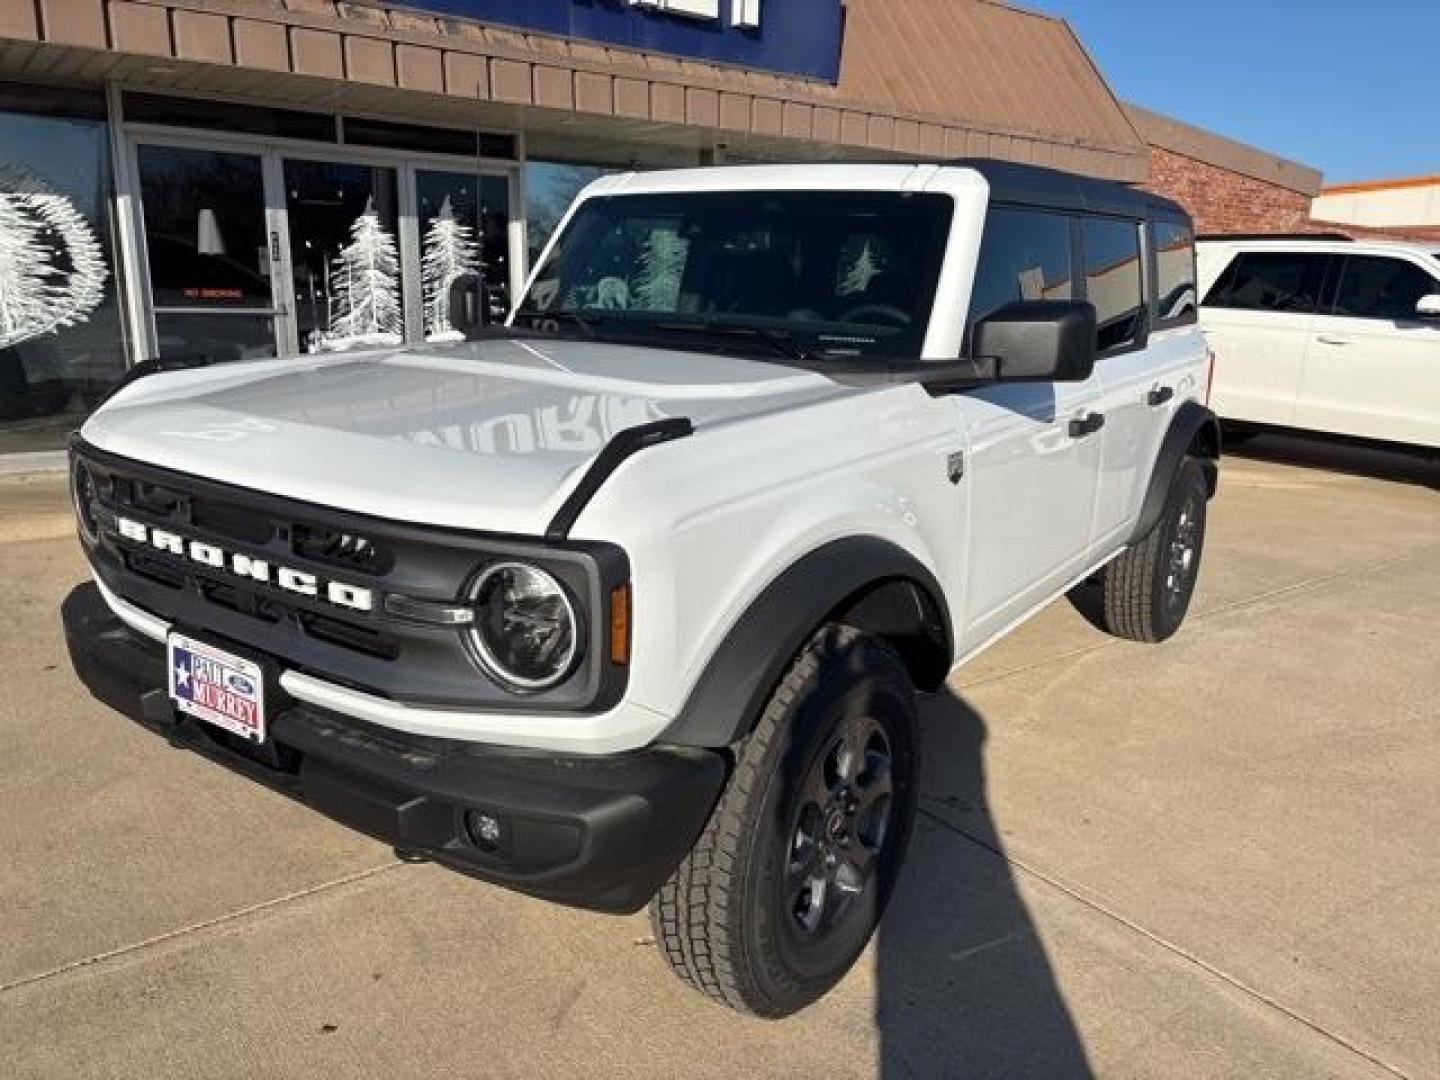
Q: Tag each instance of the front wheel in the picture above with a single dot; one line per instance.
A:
(788, 881)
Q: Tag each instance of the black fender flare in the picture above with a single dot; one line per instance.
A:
(861, 580)
(1194, 431)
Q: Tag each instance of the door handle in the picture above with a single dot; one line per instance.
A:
(1086, 425)
(1327, 340)
(1160, 395)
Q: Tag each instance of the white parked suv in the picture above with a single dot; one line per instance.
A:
(629, 602)
(1326, 335)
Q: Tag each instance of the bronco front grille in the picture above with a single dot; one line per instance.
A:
(338, 638)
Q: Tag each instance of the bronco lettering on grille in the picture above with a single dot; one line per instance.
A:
(300, 582)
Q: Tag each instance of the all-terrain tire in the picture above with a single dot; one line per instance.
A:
(1147, 588)
(730, 921)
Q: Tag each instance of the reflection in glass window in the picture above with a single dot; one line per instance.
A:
(204, 228)
(550, 188)
(464, 251)
(61, 345)
(1175, 269)
(1113, 281)
(206, 337)
(348, 292)
(1025, 255)
(838, 274)
(1373, 287)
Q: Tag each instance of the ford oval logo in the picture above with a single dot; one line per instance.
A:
(240, 684)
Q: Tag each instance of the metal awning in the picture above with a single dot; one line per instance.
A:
(919, 78)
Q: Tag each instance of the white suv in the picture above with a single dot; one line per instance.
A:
(631, 599)
(1327, 335)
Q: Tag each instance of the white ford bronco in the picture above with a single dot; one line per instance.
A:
(629, 600)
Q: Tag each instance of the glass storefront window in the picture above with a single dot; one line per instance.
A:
(464, 250)
(61, 342)
(348, 288)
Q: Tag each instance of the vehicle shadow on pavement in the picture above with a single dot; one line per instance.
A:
(1373, 462)
(963, 984)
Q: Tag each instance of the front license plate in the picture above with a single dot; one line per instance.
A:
(218, 687)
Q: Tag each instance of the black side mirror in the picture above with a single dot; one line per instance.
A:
(1037, 341)
(469, 310)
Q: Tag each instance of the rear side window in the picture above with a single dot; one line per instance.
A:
(1375, 287)
(1271, 281)
(1114, 280)
(1176, 294)
(1025, 255)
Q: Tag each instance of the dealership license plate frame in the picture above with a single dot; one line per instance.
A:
(180, 645)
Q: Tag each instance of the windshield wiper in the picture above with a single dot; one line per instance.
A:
(780, 343)
(535, 320)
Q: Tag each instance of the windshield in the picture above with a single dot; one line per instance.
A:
(807, 275)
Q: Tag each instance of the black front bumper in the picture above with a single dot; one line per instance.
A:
(597, 832)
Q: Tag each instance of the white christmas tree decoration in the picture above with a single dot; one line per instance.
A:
(450, 253)
(52, 268)
(662, 264)
(365, 284)
(857, 278)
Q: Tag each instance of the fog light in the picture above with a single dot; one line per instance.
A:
(485, 832)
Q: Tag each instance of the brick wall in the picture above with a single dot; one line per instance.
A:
(1222, 201)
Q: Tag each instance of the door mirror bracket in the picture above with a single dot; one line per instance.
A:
(1428, 307)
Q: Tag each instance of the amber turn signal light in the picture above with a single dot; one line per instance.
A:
(620, 625)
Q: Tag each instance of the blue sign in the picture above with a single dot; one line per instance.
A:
(792, 37)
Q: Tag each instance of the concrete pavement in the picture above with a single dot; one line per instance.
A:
(1216, 857)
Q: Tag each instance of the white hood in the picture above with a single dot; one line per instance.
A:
(485, 435)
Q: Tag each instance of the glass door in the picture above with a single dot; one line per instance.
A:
(349, 291)
(464, 229)
(263, 251)
(212, 264)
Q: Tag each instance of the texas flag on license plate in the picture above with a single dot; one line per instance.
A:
(218, 687)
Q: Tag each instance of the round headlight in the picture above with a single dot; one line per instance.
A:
(82, 494)
(525, 633)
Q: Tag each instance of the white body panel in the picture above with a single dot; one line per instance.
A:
(510, 424)
(1372, 379)
(1031, 498)
(1364, 377)
(1134, 425)
(494, 436)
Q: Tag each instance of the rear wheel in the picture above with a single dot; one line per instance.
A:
(785, 886)
(1147, 589)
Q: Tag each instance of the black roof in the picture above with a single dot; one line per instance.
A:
(1035, 185)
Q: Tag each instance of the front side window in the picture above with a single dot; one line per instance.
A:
(1375, 287)
(1114, 280)
(1176, 298)
(816, 273)
(1277, 281)
(1024, 255)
